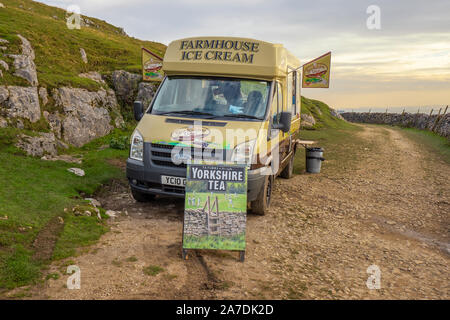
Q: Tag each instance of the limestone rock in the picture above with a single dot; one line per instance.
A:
(83, 55)
(43, 95)
(335, 114)
(44, 143)
(55, 122)
(20, 102)
(93, 75)
(4, 94)
(126, 85)
(307, 120)
(4, 41)
(145, 93)
(87, 114)
(4, 65)
(77, 171)
(94, 202)
(24, 63)
(3, 123)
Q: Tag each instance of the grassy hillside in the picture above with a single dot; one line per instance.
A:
(36, 192)
(334, 135)
(321, 113)
(57, 48)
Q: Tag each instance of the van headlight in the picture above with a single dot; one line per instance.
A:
(243, 153)
(137, 146)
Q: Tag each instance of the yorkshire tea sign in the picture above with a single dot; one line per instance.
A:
(316, 73)
(215, 211)
(151, 66)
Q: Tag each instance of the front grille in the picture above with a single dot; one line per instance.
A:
(161, 155)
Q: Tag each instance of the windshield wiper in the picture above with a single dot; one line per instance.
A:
(241, 115)
(192, 112)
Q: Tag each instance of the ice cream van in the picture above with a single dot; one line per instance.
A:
(235, 100)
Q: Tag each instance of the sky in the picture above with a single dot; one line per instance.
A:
(404, 62)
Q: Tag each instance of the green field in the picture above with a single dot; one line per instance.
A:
(239, 201)
(34, 192)
(215, 242)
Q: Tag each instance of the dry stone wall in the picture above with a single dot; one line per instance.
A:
(422, 121)
(229, 223)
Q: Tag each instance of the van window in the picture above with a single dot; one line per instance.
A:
(212, 97)
(277, 107)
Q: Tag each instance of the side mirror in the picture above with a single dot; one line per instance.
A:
(138, 110)
(285, 122)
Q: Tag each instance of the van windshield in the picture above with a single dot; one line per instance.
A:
(213, 98)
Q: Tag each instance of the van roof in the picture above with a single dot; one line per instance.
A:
(228, 56)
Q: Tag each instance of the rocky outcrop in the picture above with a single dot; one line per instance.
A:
(20, 102)
(126, 86)
(24, 63)
(307, 120)
(422, 121)
(4, 65)
(54, 120)
(43, 95)
(83, 55)
(93, 75)
(146, 92)
(86, 114)
(44, 143)
(335, 114)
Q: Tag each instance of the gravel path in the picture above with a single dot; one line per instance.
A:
(321, 235)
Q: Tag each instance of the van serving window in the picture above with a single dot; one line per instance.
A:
(212, 98)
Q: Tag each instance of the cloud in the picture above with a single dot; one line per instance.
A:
(412, 46)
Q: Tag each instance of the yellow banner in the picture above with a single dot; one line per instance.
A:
(151, 66)
(316, 73)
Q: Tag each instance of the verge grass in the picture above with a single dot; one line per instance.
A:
(34, 191)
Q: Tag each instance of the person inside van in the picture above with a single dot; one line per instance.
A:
(231, 91)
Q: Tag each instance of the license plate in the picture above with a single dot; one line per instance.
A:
(173, 181)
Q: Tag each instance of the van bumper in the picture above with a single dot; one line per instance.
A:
(146, 178)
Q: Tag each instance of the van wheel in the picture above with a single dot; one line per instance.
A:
(288, 171)
(141, 197)
(261, 205)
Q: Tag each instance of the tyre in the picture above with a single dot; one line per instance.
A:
(261, 205)
(288, 171)
(141, 197)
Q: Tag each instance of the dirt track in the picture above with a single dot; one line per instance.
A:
(321, 235)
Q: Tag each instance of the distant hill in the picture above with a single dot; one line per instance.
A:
(57, 48)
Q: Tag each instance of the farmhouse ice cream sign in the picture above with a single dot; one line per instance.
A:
(220, 50)
(216, 177)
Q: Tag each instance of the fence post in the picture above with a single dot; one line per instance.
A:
(436, 121)
(439, 118)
